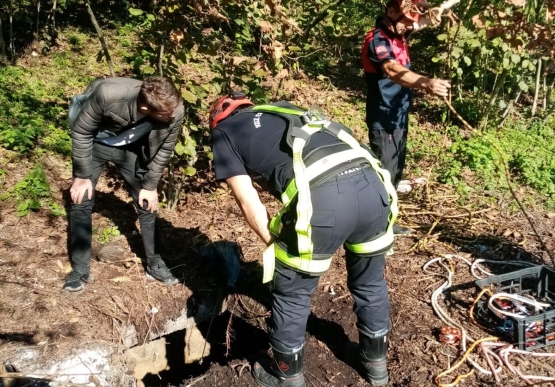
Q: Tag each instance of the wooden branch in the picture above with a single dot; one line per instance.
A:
(320, 17)
(537, 91)
(12, 50)
(160, 58)
(101, 37)
(38, 17)
(3, 56)
(52, 15)
(499, 82)
(510, 106)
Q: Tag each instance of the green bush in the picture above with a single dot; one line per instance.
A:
(33, 193)
(528, 152)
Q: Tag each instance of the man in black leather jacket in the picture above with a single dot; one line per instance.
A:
(134, 124)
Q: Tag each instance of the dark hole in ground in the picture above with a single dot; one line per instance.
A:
(248, 342)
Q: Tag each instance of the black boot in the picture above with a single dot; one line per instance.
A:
(284, 370)
(369, 357)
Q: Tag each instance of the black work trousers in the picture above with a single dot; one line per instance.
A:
(80, 218)
(351, 208)
(390, 146)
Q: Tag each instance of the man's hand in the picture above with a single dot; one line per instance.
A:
(79, 188)
(435, 15)
(151, 198)
(254, 210)
(438, 87)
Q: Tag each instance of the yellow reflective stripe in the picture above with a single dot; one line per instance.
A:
(275, 222)
(269, 263)
(304, 203)
(278, 109)
(373, 246)
(289, 193)
(309, 266)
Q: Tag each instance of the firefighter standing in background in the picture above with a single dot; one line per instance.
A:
(390, 81)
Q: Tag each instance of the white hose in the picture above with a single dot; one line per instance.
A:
(508, 296)
(500, 358)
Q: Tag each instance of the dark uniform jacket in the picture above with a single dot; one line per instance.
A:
(112, 103)
(387, 103)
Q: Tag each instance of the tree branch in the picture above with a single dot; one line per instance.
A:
(321, 17)
(100, 36)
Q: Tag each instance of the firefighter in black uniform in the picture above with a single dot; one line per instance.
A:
(334, 194)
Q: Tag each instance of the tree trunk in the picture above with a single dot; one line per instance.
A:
(537, 91)
(12, 50)
(510, 106)
(52, 15)
(545, 89)
(499, 82)
(38, 18)
(100, 37)
(549, 93)
(3, 57)
(160, 58)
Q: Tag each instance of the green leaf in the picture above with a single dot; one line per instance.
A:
(506, 63)
(179, 149)
(294, 48)
(523, 86)
(505, 47)
(456, 53)
(135, 11)
(24, 206)
(502, 104)
(525, 63)
(260, 73)
(467, 61)
(515, 58)
(148, 70)
(189, 97)
(442, 37)
(190, 171)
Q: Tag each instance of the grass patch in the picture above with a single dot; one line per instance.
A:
(33, 193)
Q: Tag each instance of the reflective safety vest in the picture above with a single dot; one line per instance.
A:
(310, 172)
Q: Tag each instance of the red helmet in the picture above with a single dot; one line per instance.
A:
(225, 105)
(409, 8)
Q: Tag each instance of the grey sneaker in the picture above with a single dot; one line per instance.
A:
(160, 272)
(75, 281)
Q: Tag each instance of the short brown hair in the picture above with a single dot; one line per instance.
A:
(159, 94)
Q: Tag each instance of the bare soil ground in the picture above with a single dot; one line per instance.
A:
(35, 312)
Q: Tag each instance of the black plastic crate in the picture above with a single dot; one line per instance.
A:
(538, 282)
